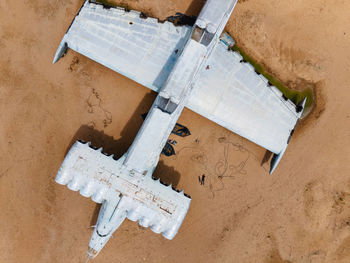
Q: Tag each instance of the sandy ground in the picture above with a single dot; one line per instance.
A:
(299, 214)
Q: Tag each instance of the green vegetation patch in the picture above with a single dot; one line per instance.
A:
(294, 95)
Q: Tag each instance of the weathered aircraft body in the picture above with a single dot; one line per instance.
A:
(189, 66)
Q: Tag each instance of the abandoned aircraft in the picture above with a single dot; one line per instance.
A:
(189, 66)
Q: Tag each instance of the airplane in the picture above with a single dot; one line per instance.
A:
(190, 66)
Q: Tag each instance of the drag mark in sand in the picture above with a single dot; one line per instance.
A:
(222, 168)
(94, 103)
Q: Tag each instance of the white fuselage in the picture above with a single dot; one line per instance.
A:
(125, 187)
(143, 155)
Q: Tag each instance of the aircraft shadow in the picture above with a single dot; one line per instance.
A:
(118, 147)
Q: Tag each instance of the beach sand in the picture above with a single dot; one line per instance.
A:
(301, 213)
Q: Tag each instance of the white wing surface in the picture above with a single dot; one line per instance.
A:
(230, 93)
(145, 200)
(140, 48)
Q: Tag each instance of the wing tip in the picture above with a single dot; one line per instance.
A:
(276, 159)
(61, 51)
(301, 107)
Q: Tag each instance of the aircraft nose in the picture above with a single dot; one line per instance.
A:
(91, 253)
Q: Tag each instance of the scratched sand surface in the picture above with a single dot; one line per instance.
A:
(300, 214)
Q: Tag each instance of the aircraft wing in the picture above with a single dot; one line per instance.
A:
(85, 169)
(138, 47)
(229, 92)
(147, 200)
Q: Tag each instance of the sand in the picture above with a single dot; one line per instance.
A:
(299, 214)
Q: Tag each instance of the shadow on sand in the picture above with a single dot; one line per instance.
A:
(266, 157)
(195, 8)
(119, 146)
